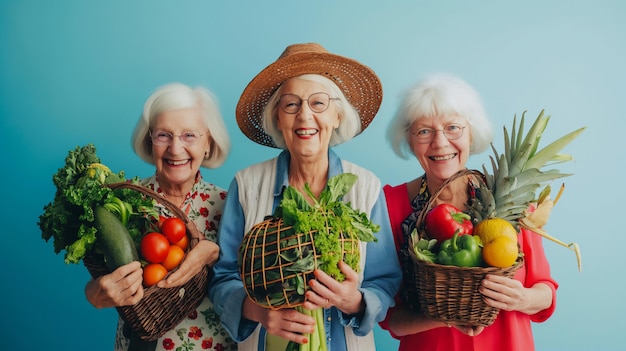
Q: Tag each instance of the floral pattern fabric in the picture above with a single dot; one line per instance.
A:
(201, 330)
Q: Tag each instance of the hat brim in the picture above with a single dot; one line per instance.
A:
(358, 82)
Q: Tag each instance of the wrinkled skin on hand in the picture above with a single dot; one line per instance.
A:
(205, 252)
(122, 287)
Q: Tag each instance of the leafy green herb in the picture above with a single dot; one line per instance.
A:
(331, 219)
(326, 231)
(424, 249)
(69, 218)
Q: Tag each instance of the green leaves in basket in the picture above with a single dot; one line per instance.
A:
(331, 219)
(278, 256)
(69, 218)
(424, 249)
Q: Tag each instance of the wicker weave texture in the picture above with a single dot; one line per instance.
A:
(160, 310)
(271, 260)
(450, 293)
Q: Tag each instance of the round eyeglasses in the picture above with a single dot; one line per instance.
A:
(318, 102)
(163, 138)
(427, 135)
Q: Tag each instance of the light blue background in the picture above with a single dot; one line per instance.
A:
(75, 72)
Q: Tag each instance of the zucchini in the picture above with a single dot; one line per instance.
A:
(113, 237)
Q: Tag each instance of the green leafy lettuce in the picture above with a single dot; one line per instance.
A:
(330, 218)
(80, 186)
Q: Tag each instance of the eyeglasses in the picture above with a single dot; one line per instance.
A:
(427, 135)
(291, 103)
(163, 138)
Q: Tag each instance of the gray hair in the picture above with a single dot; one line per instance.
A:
(349, 120)
(176, 96)
(436, 96)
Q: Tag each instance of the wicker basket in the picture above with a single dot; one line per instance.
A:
(160, 310)
(280, 282)
(449, 293)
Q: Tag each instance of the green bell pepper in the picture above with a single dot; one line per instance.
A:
(462, 251)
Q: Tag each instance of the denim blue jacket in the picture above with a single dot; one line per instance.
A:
(381, 276)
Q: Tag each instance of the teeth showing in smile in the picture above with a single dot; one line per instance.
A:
(177, 163)
(306, 131)
(442, 158)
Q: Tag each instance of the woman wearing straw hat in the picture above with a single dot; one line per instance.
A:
(304, 103)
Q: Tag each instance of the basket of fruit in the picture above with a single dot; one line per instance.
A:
(448, 262)
(452, 248)
(107, 221)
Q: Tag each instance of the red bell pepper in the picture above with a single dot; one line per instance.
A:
(444, 220)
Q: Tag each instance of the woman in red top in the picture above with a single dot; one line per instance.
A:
(446, 104)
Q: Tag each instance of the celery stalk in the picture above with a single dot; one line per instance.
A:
(317, 340)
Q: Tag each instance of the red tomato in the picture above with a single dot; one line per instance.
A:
(174, 229)
(174, 257)
(153, 273)
(183, 243)
(161, 220)
(154, 247)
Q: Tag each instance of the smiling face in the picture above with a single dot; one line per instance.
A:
(441, 157)
(307, 133)
(178, 162)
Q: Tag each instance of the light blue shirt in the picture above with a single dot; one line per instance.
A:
(381, 280)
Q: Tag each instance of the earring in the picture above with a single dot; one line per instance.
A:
(206, 155)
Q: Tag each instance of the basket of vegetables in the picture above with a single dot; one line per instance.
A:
(277, 257)
(106, 221)
(450, 251)
(446, 263)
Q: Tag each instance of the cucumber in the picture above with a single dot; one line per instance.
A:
(113, 237)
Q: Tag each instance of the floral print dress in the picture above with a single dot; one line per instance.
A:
(201, 330)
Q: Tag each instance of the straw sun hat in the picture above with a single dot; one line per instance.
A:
(358, 82)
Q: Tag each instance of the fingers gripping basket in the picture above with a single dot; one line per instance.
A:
(450, 293)
(160, 310)
(276, 262)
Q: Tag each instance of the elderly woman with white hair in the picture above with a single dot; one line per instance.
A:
(180, 130)
(441, 122)
(304, 103)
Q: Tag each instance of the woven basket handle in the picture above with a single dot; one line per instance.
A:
(191, 226)
(435, 195)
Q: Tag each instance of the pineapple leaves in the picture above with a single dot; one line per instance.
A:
(519, 173)
(550, 152)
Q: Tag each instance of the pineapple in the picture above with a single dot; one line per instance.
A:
(518, 174)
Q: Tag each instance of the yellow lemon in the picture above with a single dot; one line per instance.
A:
(501, 252)
(491, 228)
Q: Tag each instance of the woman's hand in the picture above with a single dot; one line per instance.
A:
(326, 292)
(122, 287)
(510, 295)
(287, 323)
(205, 252)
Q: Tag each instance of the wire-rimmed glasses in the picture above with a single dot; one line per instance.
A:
(451, 131)
(163, 138)
(318, 102)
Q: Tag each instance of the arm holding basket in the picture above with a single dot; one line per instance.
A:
(123, 287)
(441, 122)
(205, 252)
(240, 315)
